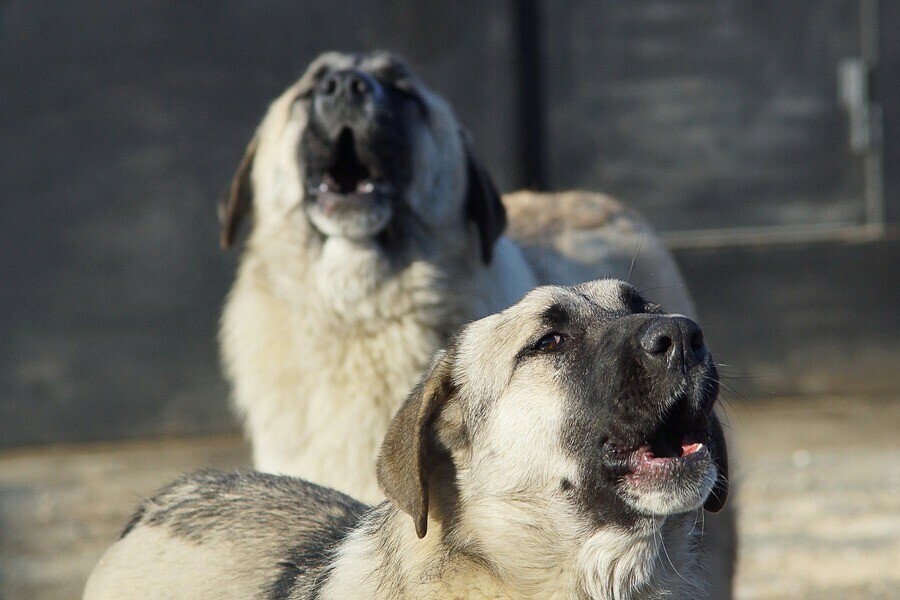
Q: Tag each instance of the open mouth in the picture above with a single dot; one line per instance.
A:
(676, 446)
(650, 461)
(349, 198)
(347, 176)
(673, 469)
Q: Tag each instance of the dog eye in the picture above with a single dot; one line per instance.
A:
(551, 342)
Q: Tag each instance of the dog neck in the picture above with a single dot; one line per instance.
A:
(656, 558)
(296, 337)
(384, 559)
(358, 283)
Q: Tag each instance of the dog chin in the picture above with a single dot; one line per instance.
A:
(663, 486)
(356, 217)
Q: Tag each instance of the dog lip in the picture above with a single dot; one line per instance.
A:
(643, 463)
(662, 444)
(358, 214)
(332, 202)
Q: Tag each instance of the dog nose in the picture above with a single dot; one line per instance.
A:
(347, 85)
(676, 340)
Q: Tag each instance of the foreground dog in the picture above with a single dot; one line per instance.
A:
(376, 234)
(562, 448)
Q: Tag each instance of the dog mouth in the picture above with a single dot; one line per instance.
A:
(349, 197)
(663, 458)
(347, 175)
(672, 468)
(676, 442)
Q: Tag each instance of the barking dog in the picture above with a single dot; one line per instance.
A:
(376, 234)
(562, 448)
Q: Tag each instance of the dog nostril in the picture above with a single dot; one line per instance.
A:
(329, 87)
(658, 344)
(359, 87)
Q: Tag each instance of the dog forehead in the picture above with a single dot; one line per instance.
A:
(501, 335)
(379, 63)
(487, 351)
(543, 306)
(383, 62)
(330, 61)
(610, 295)
(600, 299)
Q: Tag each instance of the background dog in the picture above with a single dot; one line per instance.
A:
(562, 448)
(376, 234)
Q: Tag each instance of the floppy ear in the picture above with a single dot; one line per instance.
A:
(406, 460)
(239, 200)
(483, 205)
(717, 498)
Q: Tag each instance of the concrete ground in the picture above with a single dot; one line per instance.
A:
(818, 481)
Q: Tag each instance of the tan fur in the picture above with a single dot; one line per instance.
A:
(655, 562)
(150, 563)
(575, 236)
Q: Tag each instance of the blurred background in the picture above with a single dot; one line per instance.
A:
(761, 138)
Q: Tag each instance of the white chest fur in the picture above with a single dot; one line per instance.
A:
(322, 353)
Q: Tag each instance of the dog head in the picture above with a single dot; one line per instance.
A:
(585, 401)
(360, 149)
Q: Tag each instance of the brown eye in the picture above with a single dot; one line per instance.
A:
(550, 342)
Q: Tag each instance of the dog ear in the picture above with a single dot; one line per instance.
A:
(717, 498)
(239, 200)
(483, 205)
(406, 460)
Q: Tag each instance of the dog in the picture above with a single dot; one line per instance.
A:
(377, 234)
(562, 448)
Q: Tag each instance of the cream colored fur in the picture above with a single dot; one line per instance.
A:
(151, 564)
(655, 561)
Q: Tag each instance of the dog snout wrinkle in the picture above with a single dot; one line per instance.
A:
(676, 340)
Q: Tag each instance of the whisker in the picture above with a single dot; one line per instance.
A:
(662, 543)
(640, 243)
(660, 287)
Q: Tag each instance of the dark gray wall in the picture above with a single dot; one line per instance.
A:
(705, 114)
(121, 123)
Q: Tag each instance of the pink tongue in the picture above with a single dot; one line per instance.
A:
(690, 448)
